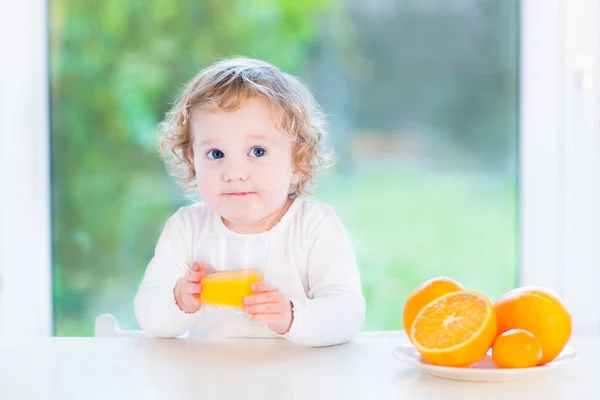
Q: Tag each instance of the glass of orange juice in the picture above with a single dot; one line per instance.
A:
(235, 264)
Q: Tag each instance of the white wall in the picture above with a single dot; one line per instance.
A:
(560, 153)
(25, 290)
(581, 176)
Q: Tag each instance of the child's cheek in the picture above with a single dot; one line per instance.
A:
(208, 185)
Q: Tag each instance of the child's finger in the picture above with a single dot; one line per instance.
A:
(196, 276)
(193, 288)
(264, 287)
(197, 268)
(265, 317)
(201, 269)
(266, 297)
(206, 269)
(193, 276)
(264, 308)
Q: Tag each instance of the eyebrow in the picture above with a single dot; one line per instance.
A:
(207, 142)
(261, 137)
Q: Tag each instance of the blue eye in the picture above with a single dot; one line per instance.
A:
(215, 154)
(257, 152)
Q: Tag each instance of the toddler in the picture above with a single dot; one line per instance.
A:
(246, 137)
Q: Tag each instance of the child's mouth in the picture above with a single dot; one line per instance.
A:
(238, 194)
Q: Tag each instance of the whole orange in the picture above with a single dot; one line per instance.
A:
(516, 348)
(540, 312)
(423, 295)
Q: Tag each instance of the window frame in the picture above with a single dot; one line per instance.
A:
(560, 154)
(25, 237)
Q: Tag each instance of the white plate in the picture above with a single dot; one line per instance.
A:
(482, 371)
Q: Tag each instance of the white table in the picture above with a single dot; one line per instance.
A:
(143, 368)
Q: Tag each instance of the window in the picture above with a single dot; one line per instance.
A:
(466, 134)
(424, 103)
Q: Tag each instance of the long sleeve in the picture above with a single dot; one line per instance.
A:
(335, 308)
(154, 304)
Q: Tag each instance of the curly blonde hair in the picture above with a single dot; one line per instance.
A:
(224, 86)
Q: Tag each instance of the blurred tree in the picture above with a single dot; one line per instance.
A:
(115, 66)
(439, 70)
(454, 66)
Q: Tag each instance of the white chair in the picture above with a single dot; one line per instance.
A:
(107, 326)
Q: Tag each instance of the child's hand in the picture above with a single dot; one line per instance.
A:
(187, 290)
(270, 306)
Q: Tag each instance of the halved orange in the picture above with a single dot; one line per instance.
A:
(426, 292)
(456, 329)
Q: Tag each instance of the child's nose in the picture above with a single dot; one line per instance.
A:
(235, 171)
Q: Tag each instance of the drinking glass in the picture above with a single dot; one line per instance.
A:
(233, 265)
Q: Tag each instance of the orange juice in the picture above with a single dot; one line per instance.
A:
(228, 288)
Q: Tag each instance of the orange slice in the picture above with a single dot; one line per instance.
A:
(456, 329)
